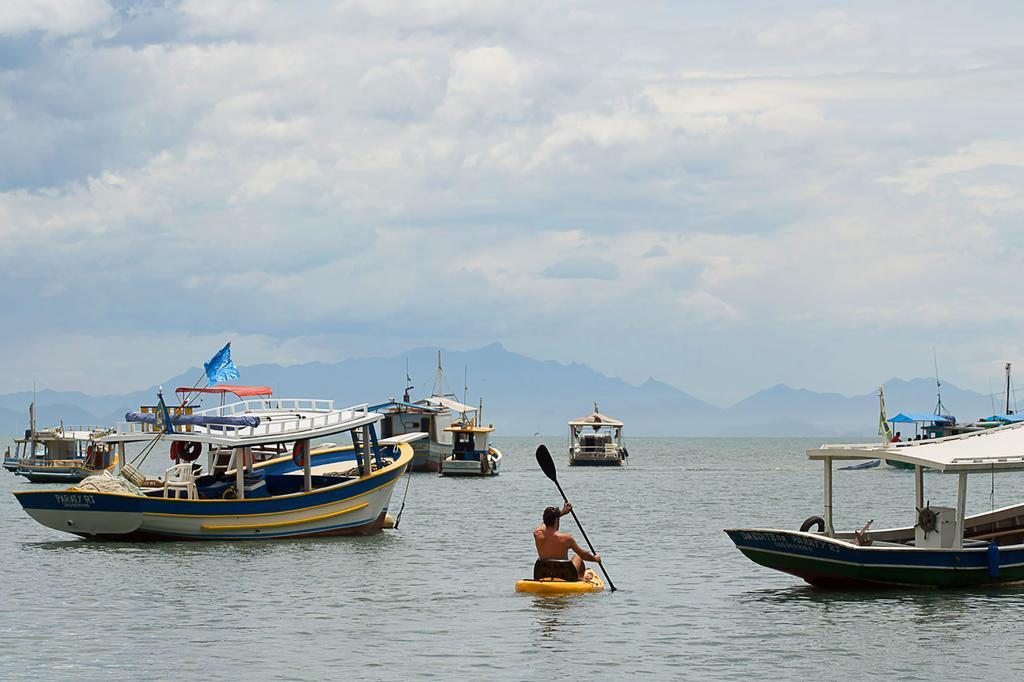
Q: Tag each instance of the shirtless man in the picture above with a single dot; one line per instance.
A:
(554, 545)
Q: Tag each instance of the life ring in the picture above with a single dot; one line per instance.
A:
(229, 494)
(299, 452)
(813, 521)
(186, 452)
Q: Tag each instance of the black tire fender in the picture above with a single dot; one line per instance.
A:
(813, 521)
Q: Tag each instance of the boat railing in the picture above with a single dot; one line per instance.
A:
(38, 462)
(292, 416)
(277, 404)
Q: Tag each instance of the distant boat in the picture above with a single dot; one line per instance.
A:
(431, 415)
(471, 453)
(60, 455)
(596, 440)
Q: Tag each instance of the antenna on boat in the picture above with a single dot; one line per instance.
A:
(940, 409)
(1008, 411)
(408, 382)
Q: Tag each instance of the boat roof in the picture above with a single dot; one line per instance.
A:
(240, 391)
(467, 428)
(281, 420)
(596, 419)
(407, 405)
(66, 434)
(988, 450)
(920, 417)
(453, 405)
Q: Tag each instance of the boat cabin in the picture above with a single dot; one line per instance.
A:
(470, 441)
(596, 439)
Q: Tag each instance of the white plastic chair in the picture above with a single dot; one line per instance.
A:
(181, 478)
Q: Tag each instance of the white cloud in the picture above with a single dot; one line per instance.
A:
(55, 17)
(274, 170)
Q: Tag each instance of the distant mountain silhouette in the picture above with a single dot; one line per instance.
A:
(523, 396)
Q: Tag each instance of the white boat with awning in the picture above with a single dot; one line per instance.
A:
(944, 547)
(596, 440)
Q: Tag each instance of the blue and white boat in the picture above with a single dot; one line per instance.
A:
(299, 491)
(944, 547)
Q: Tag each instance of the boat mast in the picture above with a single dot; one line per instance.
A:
(438, 390)
(940, 409)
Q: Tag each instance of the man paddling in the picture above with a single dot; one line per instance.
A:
(554, 545)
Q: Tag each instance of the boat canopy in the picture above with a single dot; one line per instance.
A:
(988, 450)
(195, 419)
(921, 418)
(401, 403)
(595, 419)
(275, 420)
(240, 391)
(452, 405)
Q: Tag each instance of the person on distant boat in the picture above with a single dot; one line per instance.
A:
(554, 545)
(895, 438)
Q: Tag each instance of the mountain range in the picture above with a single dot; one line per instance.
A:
(523, 396)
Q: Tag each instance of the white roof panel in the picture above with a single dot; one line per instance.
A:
(1000, 449)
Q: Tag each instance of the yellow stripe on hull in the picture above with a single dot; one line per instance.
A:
(281, 524)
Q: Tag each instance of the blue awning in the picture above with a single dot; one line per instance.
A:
(917, 417)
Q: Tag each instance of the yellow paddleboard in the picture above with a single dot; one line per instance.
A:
(556, 586)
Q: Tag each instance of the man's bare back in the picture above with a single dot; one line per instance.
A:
(552, 544)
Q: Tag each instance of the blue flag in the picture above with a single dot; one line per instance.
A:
(220, 368)
(163, 417)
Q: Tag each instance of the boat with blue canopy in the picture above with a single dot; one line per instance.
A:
(265, 476)
(943, 548)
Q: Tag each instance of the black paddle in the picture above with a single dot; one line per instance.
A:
(547, 465)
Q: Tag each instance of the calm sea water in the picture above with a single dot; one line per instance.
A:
(435, 598)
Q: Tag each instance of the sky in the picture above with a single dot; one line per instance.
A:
(721, 195)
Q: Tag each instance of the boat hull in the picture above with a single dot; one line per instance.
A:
(357, 506)
(834, 563)
(427, 455)
(596, 462)
(47, 474)
(472, 467)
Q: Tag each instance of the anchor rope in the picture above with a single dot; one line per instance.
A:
(408, 480)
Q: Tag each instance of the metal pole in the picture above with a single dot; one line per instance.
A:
(961, 504)
(366, 449)
(307, 466)
(240, 457)
(829, 529)
(918, 486)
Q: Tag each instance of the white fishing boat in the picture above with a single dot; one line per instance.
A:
(471, 454)
(596, 440)
(307, 491)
